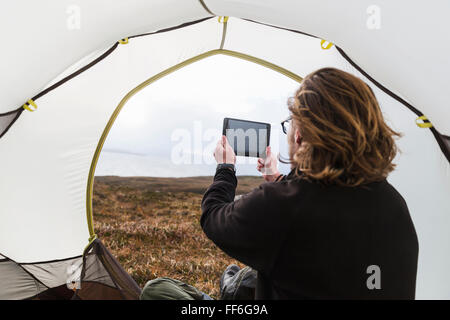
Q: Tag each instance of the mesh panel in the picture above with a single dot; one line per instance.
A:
(94, 271)
(104, 278)
(8, 119)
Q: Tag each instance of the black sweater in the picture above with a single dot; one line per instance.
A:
(310, 241)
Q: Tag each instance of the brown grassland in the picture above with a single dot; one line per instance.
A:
(151, 225)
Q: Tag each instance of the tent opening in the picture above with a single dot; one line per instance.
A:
(157, 162)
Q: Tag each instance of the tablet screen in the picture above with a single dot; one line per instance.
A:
(248, 138)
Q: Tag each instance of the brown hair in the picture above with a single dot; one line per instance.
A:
(345, 139)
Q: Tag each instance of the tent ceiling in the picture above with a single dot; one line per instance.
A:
(406, 54)
(44, 40)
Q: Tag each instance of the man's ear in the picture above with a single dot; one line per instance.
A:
(298, 137)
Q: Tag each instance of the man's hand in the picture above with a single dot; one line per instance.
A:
(268, 166)
(224, 153)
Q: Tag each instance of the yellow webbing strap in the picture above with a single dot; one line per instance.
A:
(325, 47)
(28, 106)
(423, 124)
(123, 41)
(223, 19)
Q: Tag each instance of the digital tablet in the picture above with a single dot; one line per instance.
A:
(248, 138)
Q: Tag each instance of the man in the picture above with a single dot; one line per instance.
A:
(334, 228)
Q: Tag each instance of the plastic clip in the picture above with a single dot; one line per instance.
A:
(30, 106)
(325, 47)
(425, 124)
(223, 19)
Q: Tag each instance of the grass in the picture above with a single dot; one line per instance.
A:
(151, 225)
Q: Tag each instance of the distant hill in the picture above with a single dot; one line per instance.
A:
(191, 184)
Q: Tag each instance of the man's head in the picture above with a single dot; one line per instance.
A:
(337, 133)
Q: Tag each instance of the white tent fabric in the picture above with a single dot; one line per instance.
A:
(47, 28)
(54, 146)
(46, 155)
(407, 53)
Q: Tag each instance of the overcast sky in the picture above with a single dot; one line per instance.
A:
(170, 128)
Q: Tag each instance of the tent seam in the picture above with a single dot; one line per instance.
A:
(202, 2)
(51, 261)
(180, 26)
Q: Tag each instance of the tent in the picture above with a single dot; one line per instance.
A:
(69, 67)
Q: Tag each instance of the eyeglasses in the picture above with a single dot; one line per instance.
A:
(286, 124)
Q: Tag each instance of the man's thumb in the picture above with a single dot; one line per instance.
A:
(224, 141)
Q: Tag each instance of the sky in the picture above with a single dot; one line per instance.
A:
(170, 128)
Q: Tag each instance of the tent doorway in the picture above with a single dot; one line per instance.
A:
(151, 223)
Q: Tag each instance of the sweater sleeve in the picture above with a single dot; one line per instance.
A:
(245, 229)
